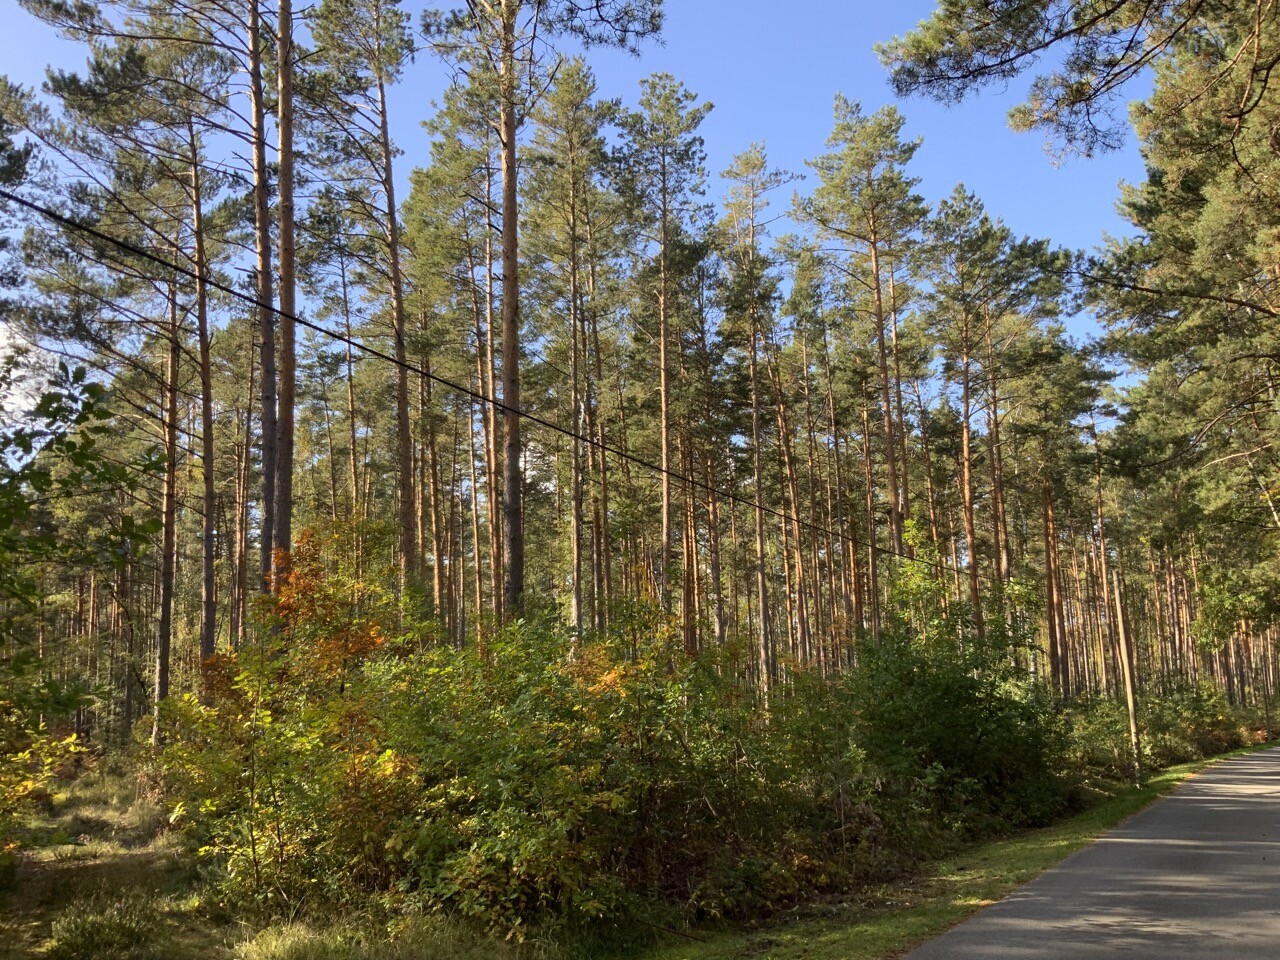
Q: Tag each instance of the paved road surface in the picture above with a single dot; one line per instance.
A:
(1196, 876)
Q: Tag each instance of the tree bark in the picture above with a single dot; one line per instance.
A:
(575, 349)
(1130, 680)
(886, 403)
(512, 485)
(966, 490)
(764, 646)
(873, 548)
(168, 521)
(208, 531)
(664, 390)
(406, 488)
(265, 293)
(283, 534)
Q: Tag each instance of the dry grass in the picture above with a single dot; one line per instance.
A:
(420, 939)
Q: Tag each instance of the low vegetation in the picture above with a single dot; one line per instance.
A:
(599, 785)
(583, 796)
(107, 875)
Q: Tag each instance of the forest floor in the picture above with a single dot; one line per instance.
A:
(103, 876)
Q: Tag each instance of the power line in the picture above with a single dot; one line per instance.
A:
(467, 391)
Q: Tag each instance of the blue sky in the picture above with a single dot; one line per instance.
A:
(772, 76)
(771, 69)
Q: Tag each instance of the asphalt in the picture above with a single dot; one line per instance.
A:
(1195, 876)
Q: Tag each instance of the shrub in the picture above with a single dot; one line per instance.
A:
(1188, 721)
(592, 784)
(29, 761)
(1099, 738)
(1179, 723)
(961, 731)
(540, 780)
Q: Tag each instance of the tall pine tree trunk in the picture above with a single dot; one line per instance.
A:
(999, 508)
(719, 625)
(850, 548)
(475, 531)
(575, 348)
(283, 533)
(886, 404)
(873, 548)
(512, 485)
(764, 646)
(406, 488)
(358, 508)
(664, 399)
(968, 514)
(240, 565)
(604, 547)
(208, 531)
(493, 461)
(793, 502)
(265, 290)
(904, 460)
(168, 522)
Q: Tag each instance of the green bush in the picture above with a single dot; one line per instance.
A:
(1099, 738)
(1177, 724)
(543, 781)
(1188, 721)
(962, 733)
(527, 783)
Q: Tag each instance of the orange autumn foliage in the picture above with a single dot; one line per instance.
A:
(218, 676)
(320, 615)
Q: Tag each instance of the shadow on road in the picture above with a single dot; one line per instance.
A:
(1196, 876)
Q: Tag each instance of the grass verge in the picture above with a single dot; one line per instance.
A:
(888, 921)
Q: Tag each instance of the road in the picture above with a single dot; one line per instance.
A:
(1195, 876)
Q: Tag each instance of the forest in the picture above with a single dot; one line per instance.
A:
(547, 536)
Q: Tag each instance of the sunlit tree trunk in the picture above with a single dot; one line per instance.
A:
(512, 485)
(968, 512)
(886, 405)
(168, 521)
(764, 645)
(265, 290)
(406, 486)
(283, 534)
(209, 526)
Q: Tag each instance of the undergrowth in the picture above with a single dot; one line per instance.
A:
(597, 789)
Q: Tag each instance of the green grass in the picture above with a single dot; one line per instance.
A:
(103, 878)
(889, 921)
(419, 939)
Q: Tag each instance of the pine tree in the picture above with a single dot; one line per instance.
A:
(501, 38)
(361, 47)
(663, 172)
(866, 205)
